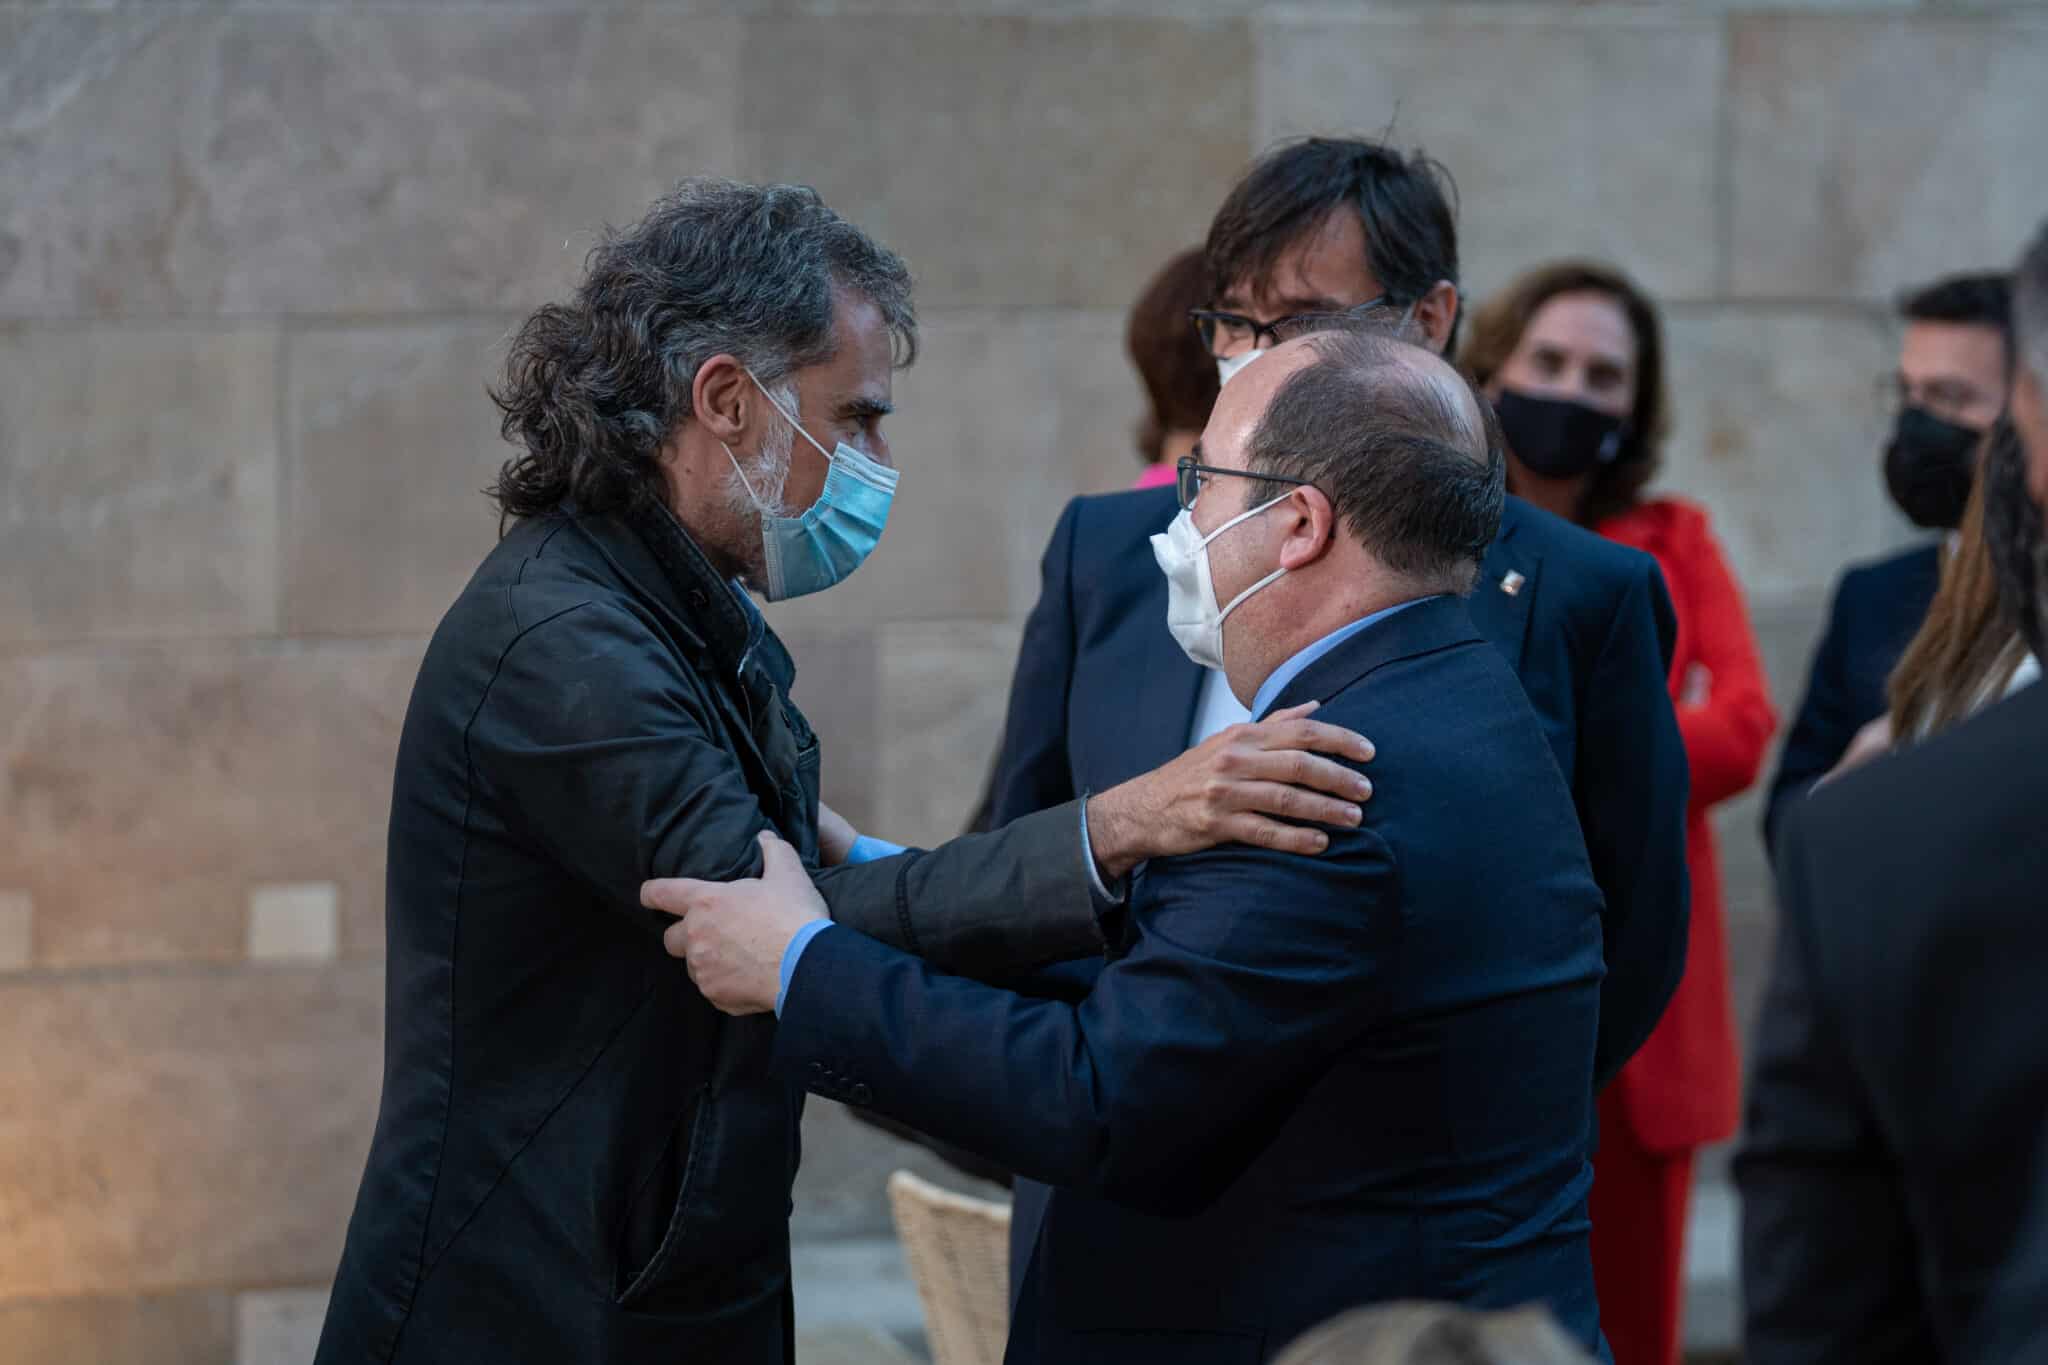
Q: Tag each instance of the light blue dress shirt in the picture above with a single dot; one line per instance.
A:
(1218, 709)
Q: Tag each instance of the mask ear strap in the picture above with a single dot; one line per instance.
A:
(746, 482)
(785, 415)
(1246, 515)
(1238, 600)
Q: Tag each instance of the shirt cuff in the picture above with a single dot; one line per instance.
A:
(867, 850)
(794, 951)
(1105, 898)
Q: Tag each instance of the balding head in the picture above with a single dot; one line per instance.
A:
(1409, 458)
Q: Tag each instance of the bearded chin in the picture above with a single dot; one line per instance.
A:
(768, 473)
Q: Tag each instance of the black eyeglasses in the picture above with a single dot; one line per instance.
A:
(1231, 333)
(1188, 478)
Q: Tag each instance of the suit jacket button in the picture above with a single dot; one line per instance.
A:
(861, 1093)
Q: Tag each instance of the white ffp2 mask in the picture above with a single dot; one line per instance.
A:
(1192, 616)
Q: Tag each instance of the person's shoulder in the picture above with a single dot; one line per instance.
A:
(1586, 577)
(1964, 791)
(1582, 550)
(1885, 575)
(1105, 530)
(1136, 511)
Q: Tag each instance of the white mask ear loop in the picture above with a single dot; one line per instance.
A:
(1246, 516)
(1238, 600)
(786, 416)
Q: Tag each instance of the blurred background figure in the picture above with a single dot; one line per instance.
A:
(1949, 388)
(1969, 652)
(1572, 355)
(1892, 1168)
(1436, 1334)
(1176, 370)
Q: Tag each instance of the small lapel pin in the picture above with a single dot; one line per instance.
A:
(1511, 582)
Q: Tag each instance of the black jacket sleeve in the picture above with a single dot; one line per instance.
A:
(1828, 1262)
(1630, 789)
(596, 742)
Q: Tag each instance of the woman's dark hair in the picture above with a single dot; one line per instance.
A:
(1497, 329)
(594, 387)
(1177, 371)
(1407, 204)
(1968, 645)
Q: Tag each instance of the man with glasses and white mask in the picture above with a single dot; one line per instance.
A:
(1319, 230)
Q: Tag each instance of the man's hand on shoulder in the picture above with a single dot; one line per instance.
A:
(1257, 784)
(734, 934)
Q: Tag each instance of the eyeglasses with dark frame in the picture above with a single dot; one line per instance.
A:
(1188, 477)
(1232, 333)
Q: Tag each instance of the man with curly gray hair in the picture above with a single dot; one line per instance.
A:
(577, 1158)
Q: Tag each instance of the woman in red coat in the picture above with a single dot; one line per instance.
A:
(1572, 356)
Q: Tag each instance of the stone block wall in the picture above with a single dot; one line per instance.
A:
(257, 261)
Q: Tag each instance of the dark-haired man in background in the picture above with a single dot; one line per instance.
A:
(1309, 1083)
(1951, 382)
(576, 1158)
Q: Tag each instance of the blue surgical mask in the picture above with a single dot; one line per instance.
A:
(810, 553)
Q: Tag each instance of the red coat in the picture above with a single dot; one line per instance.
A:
(1683, 1089)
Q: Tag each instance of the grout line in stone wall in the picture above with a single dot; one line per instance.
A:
(106, 973)
(232, 1289)
(1724, 164)
(285, 453)
(253, 643)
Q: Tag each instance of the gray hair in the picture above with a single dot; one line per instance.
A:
(593, 387)
(1409, 456)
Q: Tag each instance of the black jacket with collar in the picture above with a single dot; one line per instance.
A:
(576, 1157)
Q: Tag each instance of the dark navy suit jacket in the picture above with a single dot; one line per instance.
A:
(1876, 610)
(1309, 1083)
(1102, 693)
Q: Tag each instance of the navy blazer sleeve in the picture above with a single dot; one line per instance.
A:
(1828, 720)
(1252, 970)
(1828, 1260)
(1631, 794)
(1031, 771)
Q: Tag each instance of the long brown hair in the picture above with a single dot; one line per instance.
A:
(1966, 649)
(1497, 329)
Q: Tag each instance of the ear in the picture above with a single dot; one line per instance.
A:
(721, 398)
(1436, 312)
(1310, 527)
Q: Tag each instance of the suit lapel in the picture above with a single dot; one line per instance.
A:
(1426, 627)
(1169, 684)
(1501, 602)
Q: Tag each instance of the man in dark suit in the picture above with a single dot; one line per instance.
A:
(1951, 386)
(1894, 1171)
(1101, 692)
(1307, 1083)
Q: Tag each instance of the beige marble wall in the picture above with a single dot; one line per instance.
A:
(257, 261)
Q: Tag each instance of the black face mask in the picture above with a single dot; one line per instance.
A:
(1928, 467)
(1559, 439)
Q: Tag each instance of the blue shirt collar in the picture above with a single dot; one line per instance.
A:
(1276, 682)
